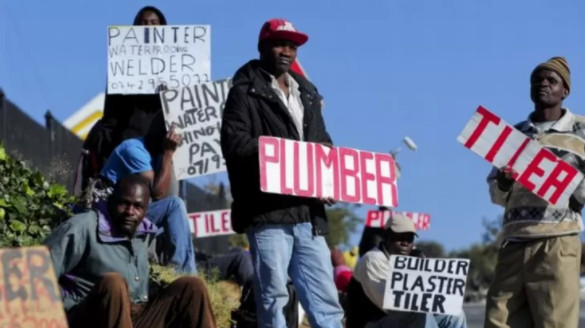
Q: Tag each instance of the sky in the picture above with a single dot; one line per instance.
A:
(387, 69)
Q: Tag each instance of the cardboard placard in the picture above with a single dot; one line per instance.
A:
(31, 296)
(539, 170)
(211, 224)
(426, 285)
(196, 113)
(141, 58)
(377, 219)
(308, 169)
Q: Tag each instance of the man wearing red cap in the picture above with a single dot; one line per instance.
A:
(285, 232)
(536, 282)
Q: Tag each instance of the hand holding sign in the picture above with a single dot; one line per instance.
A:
(539, 170)
(196, 111)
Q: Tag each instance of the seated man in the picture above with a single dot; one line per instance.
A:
(152, 158)
(366, 289)
(100, 259)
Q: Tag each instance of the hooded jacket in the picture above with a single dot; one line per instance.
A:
(252, 110)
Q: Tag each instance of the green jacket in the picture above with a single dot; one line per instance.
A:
(84, 248)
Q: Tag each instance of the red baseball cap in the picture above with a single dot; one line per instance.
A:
(281, 29)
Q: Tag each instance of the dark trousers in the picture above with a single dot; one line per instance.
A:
(184, 303)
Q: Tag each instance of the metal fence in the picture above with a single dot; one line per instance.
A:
(54, 151)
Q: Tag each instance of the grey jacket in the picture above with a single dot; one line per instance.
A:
(84, 248)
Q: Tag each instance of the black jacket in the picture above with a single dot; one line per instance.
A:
(252, 110)
(360, 310)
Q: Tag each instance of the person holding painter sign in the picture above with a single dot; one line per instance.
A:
(125, 116)
(285, 232)
(536, 282)
(367, 288)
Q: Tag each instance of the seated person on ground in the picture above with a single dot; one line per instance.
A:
(365, 293)
(151, 157)
(100, 260)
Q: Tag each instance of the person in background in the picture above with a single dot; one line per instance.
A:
(125, 116)
(371, 236)
(365, 293)
(100, 260)
(537, 272)
(285, 232)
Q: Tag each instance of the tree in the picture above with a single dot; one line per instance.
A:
(483, 256)
(342, 222)
(432, 249)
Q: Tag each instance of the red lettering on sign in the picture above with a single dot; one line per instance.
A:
(367, 176)
(498, 144)
(373, 216)
(349, 173)
(329, 161)
(283, 187)
(533, 168)
(226, 222)
(265, 158)
(518, 152)
(486, 118)
(554, 182)
(390, 180)
(194, 218)
(297, 176)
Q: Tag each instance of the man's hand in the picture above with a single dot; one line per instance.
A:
(337, 257)
(505, 178)
(327, 144)
(172, 140)
(329, 201)
(161, 87)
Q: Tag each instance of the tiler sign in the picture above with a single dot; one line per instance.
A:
(537, 168)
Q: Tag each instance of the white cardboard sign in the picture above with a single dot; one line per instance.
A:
(539, 170)
(210, 224)
(308, 169)
(196, 111)
(426, 285)
(377, 219)
(141, 58)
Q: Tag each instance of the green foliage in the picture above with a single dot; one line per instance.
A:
(30, 206)
(239, 240)
(431, 249)
(342, 222)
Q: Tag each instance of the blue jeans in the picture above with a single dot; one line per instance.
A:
(280, 250)
(170, 213)
(419, 320)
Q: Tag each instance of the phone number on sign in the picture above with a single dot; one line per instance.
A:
(174, 82)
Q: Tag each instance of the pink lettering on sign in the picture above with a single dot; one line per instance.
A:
(304, 169)
(210, 224)
(377, 219)
(538, 169)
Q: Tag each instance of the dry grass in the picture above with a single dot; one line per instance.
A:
(224, 296)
